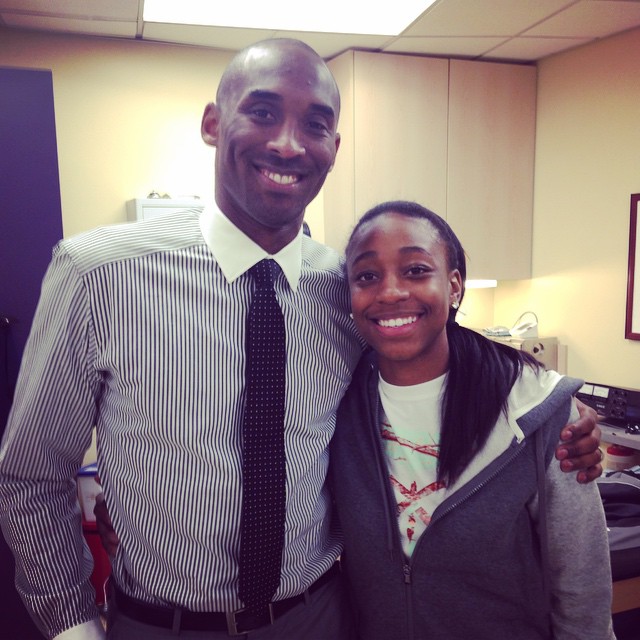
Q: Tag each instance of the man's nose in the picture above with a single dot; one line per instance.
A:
(287, 142)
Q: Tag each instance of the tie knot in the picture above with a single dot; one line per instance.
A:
(263, 272)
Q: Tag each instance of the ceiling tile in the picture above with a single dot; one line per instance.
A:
(451, 47)
(69, 25)
(591, 18)
(329, 45)
(489, 29)
(112, 10)
(483, 17)
(215, 37)
(530, 49)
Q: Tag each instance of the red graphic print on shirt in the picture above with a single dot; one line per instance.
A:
(412, 473)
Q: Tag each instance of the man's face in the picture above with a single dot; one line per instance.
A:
(274, 128)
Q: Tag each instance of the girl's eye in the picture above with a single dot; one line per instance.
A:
(418, 270)
(365, 276)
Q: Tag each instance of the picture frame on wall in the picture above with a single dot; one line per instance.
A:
(632, 324)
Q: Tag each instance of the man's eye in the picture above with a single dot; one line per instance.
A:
(261, 113)
(318, 126)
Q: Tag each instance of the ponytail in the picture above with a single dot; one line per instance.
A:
(481, 375)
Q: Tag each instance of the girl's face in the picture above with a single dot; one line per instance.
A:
(401, 290)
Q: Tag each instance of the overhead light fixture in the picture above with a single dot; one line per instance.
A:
(333, 16)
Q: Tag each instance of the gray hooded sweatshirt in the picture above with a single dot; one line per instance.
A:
(517, 550)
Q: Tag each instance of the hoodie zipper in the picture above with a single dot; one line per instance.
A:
(407, 567)
(375, 410)
(393, 534)
(456, 501)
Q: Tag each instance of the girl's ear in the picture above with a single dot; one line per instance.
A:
(210, 124)
(455, 287)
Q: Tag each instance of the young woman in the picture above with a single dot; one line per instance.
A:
(458, 522)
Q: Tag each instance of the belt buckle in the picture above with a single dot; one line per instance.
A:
(235, 626)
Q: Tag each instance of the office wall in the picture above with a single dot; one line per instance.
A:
(128, 115)
(587, 165)
(128, 120)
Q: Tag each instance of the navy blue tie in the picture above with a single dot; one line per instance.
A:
(264, 471)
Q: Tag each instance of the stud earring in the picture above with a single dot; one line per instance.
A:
(351, 315)
(455, 304)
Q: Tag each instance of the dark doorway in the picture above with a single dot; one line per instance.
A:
(31, 224)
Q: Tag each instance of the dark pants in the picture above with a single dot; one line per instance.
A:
(326, 617)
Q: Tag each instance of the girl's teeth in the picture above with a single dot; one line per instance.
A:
(397, 322)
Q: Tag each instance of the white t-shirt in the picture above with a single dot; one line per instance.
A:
(411, 438)
(410, 430)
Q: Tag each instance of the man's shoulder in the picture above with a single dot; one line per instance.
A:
(320, 257)
(323, 276)
(120, 242)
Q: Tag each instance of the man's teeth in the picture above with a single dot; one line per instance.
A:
(397, 322)
(281, 179)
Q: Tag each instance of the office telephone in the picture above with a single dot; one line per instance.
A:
(522, 328)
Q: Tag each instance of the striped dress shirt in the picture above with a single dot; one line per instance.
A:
(140, 332)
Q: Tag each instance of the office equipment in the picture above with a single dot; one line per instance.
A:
(526, 326)
(544, 350)
(618, 409)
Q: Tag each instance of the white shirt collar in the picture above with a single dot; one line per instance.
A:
(236, 253)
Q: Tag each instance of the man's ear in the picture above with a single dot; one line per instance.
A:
(337, 147)
(209, 125)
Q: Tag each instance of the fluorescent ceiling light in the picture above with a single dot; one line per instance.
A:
(332, 16)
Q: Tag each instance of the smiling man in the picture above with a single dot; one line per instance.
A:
(141, 332)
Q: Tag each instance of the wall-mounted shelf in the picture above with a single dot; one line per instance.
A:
(145, 208)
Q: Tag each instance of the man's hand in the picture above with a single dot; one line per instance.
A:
(579, 446)
(108, 536)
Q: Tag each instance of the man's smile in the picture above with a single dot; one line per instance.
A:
(280, 178)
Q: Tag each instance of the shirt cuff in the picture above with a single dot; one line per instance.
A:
(92, 630)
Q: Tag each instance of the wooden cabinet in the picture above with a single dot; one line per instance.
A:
(492, 111)
(393, 122)
(457, 136)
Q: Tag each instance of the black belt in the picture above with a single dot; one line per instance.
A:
(235, 623)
